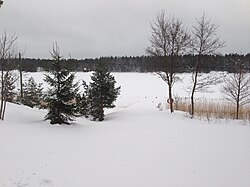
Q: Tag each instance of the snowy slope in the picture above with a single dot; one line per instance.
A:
(137, 145)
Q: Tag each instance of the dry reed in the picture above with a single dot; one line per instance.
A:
(212, 108)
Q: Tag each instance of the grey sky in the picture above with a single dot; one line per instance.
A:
(94, 28)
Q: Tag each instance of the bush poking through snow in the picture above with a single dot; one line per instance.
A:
(32, 93)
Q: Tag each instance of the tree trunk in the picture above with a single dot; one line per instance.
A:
(101, 112)
(197, 69)
(192, 104)
(2, 94)
(170, 99)
(237, 110)
(170, 84)
(238, 96)
(4, 108)
(192, 94)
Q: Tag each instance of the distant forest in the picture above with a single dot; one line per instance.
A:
(228, 62)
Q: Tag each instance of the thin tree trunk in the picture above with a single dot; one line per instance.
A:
(101, 111)
(170, 99)
(192, 94)
(4, 108)
(237, 110)
(171, 83)
(2, 94)
(197, 69)
(192, 103)
(238, 96)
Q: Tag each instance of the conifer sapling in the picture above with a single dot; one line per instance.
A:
(62, 92)
(32, 93)
(101, 92)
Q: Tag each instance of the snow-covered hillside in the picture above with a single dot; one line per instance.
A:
(137, 145)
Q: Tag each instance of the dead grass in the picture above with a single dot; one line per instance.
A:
(213, 108)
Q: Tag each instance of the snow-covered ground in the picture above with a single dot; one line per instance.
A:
(136, 146)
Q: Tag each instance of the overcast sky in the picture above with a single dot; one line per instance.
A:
(94, 28)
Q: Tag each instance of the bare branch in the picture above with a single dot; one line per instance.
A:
(169, 39)
(7, 45)
(237, 89)
(205, 40)
(55, 53)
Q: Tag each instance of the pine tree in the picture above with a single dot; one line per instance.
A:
(32, 93)
(61, 96)
(101, 92)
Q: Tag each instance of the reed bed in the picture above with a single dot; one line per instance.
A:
(212, 108)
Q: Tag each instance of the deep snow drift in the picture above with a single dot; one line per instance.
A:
(136, 146)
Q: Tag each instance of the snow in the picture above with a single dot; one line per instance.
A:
(137, 145)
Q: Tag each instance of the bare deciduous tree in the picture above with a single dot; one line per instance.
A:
(1, 3)
(168, 40)
(8, 93)
(204, 42)
(7, 53)
(237, 89)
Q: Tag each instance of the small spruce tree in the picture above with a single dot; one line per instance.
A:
(62, 92)
(32, 93)
(82, 102)
(9, 90)
(101, 92)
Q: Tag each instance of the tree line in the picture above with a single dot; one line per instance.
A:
(185, 63)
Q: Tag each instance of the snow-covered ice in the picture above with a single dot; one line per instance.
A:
(136, 146)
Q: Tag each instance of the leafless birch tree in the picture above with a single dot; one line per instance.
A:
(204, 42)
(168, 40)
(7, 53)
(8, 93)
(237, 89)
